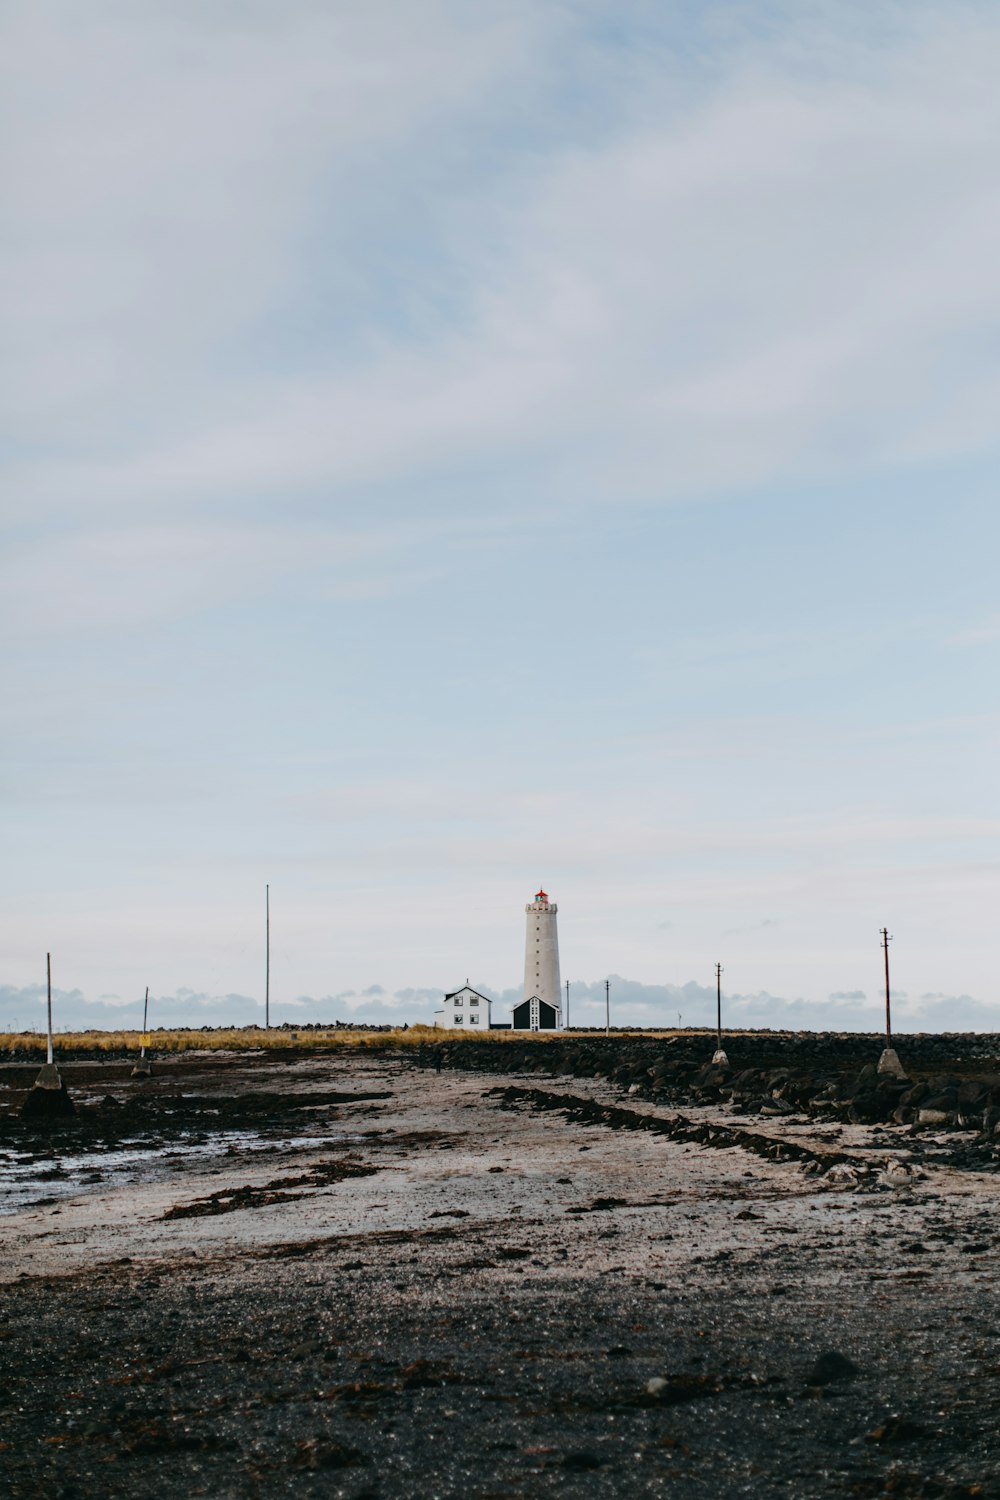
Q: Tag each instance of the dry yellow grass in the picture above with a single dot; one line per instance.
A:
(241, 1039)
(221, 1039)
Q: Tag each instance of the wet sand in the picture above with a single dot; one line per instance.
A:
(387, 1281)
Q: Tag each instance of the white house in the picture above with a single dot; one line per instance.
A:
(466, 1008)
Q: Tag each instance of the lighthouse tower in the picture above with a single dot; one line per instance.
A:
(541, 1007)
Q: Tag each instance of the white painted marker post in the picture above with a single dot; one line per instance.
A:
(48, 1102)
(142, 1068)
(48, 1076)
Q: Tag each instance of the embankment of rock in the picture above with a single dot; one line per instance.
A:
(952, 1082)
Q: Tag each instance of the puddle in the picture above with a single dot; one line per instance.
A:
(27, 1180)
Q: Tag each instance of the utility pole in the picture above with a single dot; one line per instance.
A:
(607, 1007)
(267, 958)
(720, 1057)
(48, 971)
(886, 940)
(889, 1063)
(567, 1005)
(47, 1097)
(142, 1068)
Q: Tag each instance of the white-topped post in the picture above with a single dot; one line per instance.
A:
(48, 971)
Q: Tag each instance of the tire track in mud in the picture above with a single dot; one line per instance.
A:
(676, 1128)
(280, 1190)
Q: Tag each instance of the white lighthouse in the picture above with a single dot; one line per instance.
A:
(541, 1006)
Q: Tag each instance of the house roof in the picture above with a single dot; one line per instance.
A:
(528, 999)
(467, 990)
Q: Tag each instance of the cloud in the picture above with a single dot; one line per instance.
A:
(633, 1003)
(982, 634)
(853, 1012)
(773, 270)
(25, 1008)
(754, 927)
(202, 147)
(311, 309)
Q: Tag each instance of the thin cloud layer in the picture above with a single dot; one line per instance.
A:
(450, 448)
(632, 1004)
(775, 269)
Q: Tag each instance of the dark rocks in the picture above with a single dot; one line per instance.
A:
(671, 1390)
(46, 1105)
(320, 1453)
(712, 1076)
(831, 1367)
(582, 1461)
(592, 1112)
(896, 1429)
(776, 1106)
(830, 1077)
(930, 1116)
(944, 1101)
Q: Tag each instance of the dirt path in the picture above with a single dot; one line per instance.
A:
(472, 1286)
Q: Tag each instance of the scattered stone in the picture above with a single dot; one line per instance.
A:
(320, 1453)
(580, 1462)
(843, 1174)
(896, 1174)
(672, 1389)
(896, 1429)
(49, 1099)
(831, 1367)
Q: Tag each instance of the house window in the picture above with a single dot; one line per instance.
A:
(473, 1020)
(459, 1000)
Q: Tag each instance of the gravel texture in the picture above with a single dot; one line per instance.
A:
(347, 1275)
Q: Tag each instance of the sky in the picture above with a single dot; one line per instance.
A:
(455, 449)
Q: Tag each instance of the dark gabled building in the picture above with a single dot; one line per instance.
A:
(535, 1014)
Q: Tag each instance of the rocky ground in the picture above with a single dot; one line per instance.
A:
(355, 1275)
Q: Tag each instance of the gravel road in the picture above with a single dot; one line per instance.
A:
(345, 1276)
